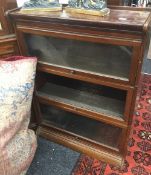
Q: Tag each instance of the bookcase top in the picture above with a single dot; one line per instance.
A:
(118, 19)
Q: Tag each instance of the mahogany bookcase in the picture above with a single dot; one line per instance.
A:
(87, 76)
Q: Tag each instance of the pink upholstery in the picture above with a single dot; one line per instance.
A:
(17, 142)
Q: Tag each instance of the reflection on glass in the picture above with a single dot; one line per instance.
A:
(82, 126)
(95, 58)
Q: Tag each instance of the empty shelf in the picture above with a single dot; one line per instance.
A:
(83, 99)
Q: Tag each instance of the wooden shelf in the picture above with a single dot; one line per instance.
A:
(88, 129)
(97, 102)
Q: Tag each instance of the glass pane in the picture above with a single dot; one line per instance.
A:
(96, 98)
(95, 58)
(81, 126)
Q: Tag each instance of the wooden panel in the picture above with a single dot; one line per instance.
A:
(7, 50)
(8, 46)
(4, 27)
(4, 6)
(115, 2)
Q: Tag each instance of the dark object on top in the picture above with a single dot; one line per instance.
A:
(41, 4)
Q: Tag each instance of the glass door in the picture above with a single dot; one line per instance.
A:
(99, 59)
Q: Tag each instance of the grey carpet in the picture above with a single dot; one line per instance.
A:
(147, 66)
(52, 159)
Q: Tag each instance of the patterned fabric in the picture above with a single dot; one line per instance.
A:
(17, 142)
(138, 159)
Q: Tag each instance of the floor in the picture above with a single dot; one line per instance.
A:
(147, 66)
(54, 159)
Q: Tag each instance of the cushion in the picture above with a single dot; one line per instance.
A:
(17, 142)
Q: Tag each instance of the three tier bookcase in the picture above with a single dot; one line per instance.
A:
(87, 75)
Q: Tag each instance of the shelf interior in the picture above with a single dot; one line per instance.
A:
(96, 98)
(95, 58)
(89, 129)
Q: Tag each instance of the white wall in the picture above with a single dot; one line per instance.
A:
(21, 2)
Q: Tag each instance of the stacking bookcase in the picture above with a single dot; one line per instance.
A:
(87, 75)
